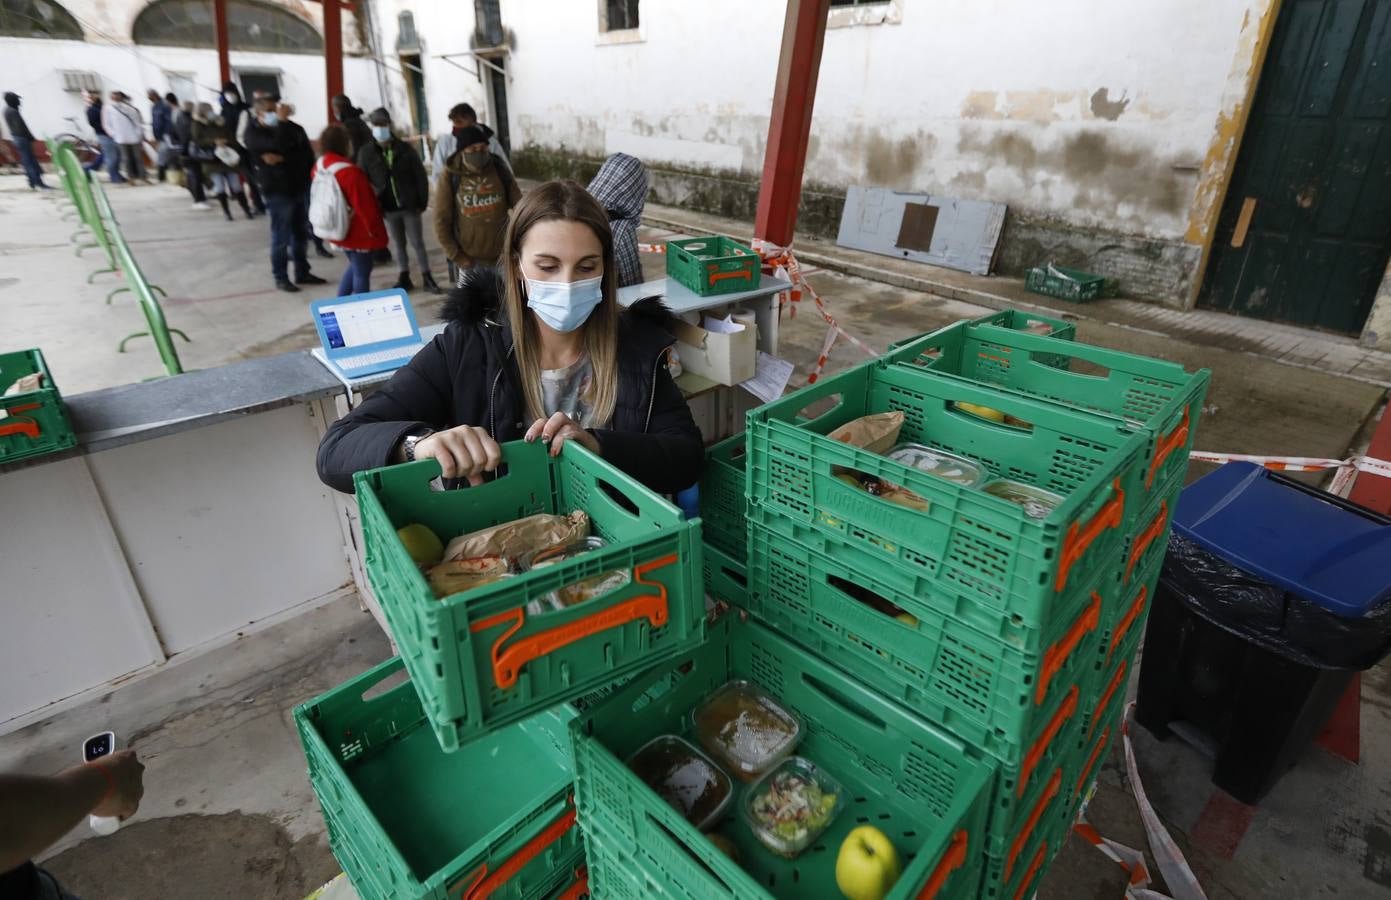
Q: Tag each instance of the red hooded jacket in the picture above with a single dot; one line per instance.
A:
(367, 229)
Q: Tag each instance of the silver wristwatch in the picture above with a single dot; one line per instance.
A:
(408, 445)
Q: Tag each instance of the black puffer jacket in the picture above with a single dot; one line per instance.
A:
(468, 376)
(400, 184)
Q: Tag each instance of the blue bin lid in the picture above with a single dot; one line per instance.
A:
(1323, 548)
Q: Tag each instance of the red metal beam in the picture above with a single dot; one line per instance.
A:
(333, 53)
(803, 34)
(224, 62)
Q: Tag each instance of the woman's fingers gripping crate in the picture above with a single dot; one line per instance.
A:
(33, 421)
(480, 658)
(985, 691)
(1156, 397)
(392, 798)
(911, 780)
(970, 545)
(723, 507)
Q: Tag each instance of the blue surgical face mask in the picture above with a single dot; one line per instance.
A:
(381, 132)
(564, 305)
(269, 119)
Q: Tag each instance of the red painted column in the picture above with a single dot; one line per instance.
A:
(224, 62)
(803, 34)
(333, 51)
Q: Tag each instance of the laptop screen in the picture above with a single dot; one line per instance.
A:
(357, 323)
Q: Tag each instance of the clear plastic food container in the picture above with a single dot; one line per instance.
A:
(1037, 502)
(580, 591)
(685, 778)
(745, 729)
(788, 808)
(957, 469)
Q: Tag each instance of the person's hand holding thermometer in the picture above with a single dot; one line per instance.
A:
(125, 782)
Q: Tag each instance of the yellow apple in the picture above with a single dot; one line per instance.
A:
(985, 412)
(422, 544)
(867, 865)
(908, 619)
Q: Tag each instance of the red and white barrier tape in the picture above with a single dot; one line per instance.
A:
(1342, 482)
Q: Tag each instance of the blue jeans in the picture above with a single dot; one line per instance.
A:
(357, 278)
(31, 165)
(288, 235)
(111, 156)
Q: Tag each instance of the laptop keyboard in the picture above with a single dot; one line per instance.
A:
(364, 360)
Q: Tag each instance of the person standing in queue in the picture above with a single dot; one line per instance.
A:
(286, 111)
(283, 157)
(122, 121)
(366, 229)
(537, 349)
(23, 142)
(472, 198)
(403, 192)
(110, 154)
(236, 114)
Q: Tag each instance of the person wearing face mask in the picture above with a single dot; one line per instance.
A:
(283, 157)
(537, 349)
(472, 198)
(461, 116)
(366, 230)
(236, 115)
(403, 192)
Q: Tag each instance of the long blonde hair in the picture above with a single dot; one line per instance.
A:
(564, 201)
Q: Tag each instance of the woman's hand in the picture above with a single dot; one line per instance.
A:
(558, 429)
(463, 452)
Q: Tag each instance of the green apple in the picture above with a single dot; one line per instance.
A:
(867, 865)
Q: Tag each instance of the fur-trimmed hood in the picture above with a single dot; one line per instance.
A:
(478, 302)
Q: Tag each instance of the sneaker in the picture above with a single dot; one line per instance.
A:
(428, 282)
(286, 287)
(201, 205)
(404, 282)
(311, 278)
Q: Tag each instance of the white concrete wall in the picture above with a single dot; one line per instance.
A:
(995, 99)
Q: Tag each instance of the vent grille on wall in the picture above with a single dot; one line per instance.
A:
(75, 82)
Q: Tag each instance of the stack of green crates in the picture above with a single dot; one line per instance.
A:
(724, 520)
(32, 422)
(1012, 633)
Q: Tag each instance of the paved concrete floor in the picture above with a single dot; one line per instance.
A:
(227, 773)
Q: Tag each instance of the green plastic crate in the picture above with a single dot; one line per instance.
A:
(913, 780)
(713, 265)
(34, 422)
(1047, 804)
(407, 820)
(723, 507)
(725, 578)
(1153, 396)
(1063, 283)
(615, 873)
(1126, 620)
(479, 659)
(1008, 318)
(1019, 879)
(985, 691)
(969, 545)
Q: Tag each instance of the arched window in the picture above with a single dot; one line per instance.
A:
(38, 19)
(251, 25)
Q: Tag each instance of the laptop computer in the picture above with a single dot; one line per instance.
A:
(364, 334)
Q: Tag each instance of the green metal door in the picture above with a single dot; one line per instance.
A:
(1305, 231)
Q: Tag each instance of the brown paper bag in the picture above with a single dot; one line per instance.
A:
(512, 539)
(877, 433)
(26, 384)
(456, 575)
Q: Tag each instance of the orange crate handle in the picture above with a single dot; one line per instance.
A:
(1080, 537)
(1091, 760)
(1057, 655)
(953, 859)
(483, 884)
(1033, 869)
(746, 275)
(1130, 616)
(1165, 445)
(27, 427)
(1055, 784)
(28, 407)
(507, 662)
(1068, 707)
(1155, 529)
(579, 887)
(1110, 690)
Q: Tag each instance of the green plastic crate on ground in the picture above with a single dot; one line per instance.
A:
(723, 507)
(1146, 542)
(1007, 318)
(968, 544)
(1126, 620)
(479, 659)
(725, 579)
(1063, 283)
(1158, 398)
(986, 692)
(615, 873)
(1047, 802)
(1003, 880)
(392, 798)
(33, 422)
(713, 265)
(910, 778)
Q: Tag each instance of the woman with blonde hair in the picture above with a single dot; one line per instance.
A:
(536, 349)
